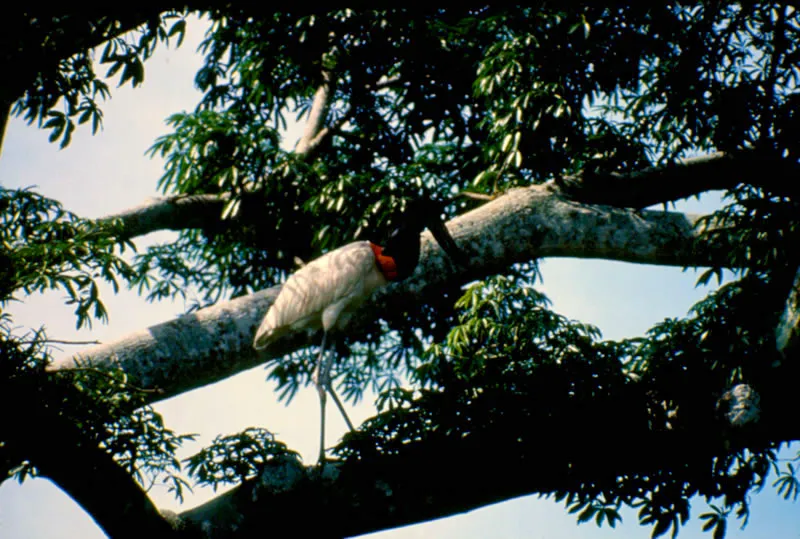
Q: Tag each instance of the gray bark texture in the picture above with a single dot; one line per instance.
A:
(526, 223)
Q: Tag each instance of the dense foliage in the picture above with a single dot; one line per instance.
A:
(434, 102)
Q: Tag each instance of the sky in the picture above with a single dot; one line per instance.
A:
(109, 172)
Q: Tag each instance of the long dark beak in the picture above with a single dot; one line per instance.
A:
(443, 238)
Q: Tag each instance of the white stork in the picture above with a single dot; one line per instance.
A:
(328, 290)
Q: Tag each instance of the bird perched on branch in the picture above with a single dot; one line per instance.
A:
(326, 292)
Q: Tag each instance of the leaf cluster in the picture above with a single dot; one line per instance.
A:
(511, 363)
(236, 458)
(143, 446)
(434, 101)
(60, 90)
(45, 247)
(756, 233)
(101, 408)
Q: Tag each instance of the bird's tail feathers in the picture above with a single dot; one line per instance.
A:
(264, 338)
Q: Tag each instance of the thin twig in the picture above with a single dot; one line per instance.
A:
(59, 341)
(380, 85)
(475, 196)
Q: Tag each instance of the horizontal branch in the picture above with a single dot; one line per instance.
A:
(178, 212)
(527, 223)
(183, 212)
(634, 190)
(655, 185)
(444, 476)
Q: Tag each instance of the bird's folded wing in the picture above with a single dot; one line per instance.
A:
(338, 275)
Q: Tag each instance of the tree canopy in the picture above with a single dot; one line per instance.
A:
(551, 130)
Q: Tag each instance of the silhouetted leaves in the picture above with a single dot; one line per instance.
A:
(235, 458)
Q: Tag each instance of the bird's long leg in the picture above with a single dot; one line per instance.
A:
(326, 378)
(322, 379)
(318, 377)
(341, 408)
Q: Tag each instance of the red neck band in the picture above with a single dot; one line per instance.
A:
(386, 264)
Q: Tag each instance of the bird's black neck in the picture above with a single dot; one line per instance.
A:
(403, 246)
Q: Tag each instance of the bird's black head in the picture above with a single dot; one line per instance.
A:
(404, 242)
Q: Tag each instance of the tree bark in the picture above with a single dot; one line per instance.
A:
(635, 190)
(527, 223)
(60, 451)
(434, 479)
(659, 185)
(315, 130)
(179, 212)
(5, 113)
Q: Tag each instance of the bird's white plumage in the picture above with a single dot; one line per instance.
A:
(323, 294)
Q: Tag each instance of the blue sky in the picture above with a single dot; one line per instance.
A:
(109, 172)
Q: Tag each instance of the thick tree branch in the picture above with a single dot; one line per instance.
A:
(315, 131)
(438, 477)
(386, 82)
(689, 177)
(59, 450)
(635, 190)
(527, 223)
(5, 112)
(171, 213)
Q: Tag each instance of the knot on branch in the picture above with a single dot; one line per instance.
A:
(740, 405)
(173, 519)
(281, 474)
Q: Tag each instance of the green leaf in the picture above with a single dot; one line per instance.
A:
(587, 514)
(662, 526)
(720, 529)
(178, 28)
(67, 138)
